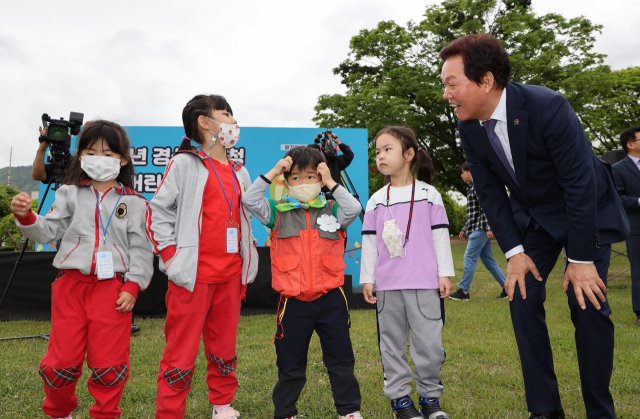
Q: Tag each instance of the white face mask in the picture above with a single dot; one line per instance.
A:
(229, 134)
(306, 192)
(100, 168)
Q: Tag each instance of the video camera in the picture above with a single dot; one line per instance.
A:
(57, 131)
(58, 134)
(327, 147)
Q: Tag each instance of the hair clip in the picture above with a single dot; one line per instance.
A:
(186, 139)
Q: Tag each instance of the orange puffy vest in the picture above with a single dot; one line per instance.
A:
(306, 262)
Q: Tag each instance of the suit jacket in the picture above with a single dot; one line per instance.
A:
(563, 185)
(626, 175)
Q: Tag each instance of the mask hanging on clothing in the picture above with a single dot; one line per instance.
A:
(100, 168)
(229, 134)
(306, 192)
(392, 237)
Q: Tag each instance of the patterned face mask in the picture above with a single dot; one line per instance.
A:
(100, 168)
(229, 134)
(392, 237)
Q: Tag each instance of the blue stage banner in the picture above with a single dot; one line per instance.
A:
(259, 150)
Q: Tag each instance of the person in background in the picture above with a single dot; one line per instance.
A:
(626, 174)
(477, 230)
(336, 163)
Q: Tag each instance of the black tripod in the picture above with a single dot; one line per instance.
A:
(57, 175)
(353, 191)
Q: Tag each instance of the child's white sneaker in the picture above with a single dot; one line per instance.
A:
(354, 415)
(66, 417)
(229, 414)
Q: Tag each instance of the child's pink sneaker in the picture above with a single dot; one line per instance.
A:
(229, 414)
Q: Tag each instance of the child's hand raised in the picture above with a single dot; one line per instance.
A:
(325, 174)
(21, 204)
(283, 165)
(126, 302)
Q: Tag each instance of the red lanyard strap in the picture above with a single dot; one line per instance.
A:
(413, 191)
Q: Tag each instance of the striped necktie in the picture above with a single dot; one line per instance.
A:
(490, 127)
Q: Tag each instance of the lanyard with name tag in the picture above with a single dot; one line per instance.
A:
(104, 256)
(232, 229)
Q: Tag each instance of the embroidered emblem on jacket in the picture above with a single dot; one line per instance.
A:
(121, 211)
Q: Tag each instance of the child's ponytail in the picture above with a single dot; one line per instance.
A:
(421, 165)
(200, 105)
(425, 171)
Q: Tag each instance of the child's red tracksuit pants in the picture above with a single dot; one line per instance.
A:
(84, 320)
(213, 311)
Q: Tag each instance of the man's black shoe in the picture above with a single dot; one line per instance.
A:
(430, 408)
(134, 328)
(404, 408)
(556, 414)
(460, 295)
(503, 294)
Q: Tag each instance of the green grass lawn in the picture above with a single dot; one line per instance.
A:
(482, 375)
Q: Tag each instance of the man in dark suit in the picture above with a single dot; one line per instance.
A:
(626, 174)
(529, 140)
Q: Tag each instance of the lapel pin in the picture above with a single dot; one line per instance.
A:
(516, 122)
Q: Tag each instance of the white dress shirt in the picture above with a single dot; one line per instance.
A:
(500, 115)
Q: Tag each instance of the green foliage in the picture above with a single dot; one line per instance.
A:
(9, 231)
(616, 107)
(392, 72)
(456, 213)
(20, 178)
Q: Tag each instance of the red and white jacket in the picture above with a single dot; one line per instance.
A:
(174, 222)
(74, 218)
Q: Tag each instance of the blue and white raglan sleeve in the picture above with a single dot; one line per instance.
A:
(440, 234)
(369, 257)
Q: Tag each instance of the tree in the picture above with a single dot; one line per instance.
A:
(9, 231)
(392, 72)
(616, 107)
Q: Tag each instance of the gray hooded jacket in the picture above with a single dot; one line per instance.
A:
(74, 219)
(174, 220)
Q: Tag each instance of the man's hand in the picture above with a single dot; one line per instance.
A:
(45, 144)
(335, 139)
(21, 204)
(367, 291)
(445, 286)
(282, 166)
(490, 235)
(126, 302)
(585, 279)
(325, 173)
(518, 267)
(462, 235)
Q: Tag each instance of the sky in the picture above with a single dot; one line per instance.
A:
(138, 62)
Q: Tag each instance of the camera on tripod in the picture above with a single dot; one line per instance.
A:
(58, 132)
(326, 138)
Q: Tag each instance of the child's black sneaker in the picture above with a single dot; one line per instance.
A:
(430, 407)
(404, 408)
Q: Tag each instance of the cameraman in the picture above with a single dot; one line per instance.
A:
(40, 170)
(336, 163)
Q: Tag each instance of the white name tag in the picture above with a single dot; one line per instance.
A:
(232, 240)
(104, 265)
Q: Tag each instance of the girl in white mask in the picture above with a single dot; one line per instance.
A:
(203, 235)
(104, 261)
